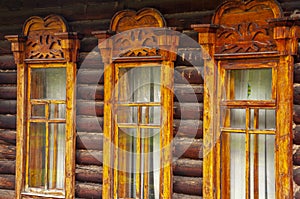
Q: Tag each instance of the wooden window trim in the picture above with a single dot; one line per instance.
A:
(27, 56)
(112, 55)
(285, 33)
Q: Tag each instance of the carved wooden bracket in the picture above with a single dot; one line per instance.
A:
(139, 34)
(43, 39)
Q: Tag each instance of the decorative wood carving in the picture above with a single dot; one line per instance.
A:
(42, 43)
(128, 19)
(244, 26)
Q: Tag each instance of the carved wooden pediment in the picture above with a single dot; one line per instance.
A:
(42, 43)
(244, 26)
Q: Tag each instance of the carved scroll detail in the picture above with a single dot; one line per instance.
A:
(244, 38)
(136, 43)
(43, 45)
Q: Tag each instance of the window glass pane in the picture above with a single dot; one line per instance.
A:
(262, 169)
(48, 83)
(233, 118)
(237, 166)
(151, 115)
(127, 114)
(57, 111)
(37, 155)
(139, 84)
(38, 111)
(57, 142)
(251, 84)
(265, 119)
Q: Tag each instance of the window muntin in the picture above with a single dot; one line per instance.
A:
(247, 130)
(138, 126)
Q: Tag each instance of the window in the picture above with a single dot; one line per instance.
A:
(248, 101)
(138, 86)
(45, 160)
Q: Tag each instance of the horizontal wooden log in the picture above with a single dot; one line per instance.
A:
(296, 176)
(188, 128)
(89, 124)
(188, 111)
(188, 93)
(296, 138)
(188, 167)
(7, 194)
(89, 141)
(8, 92)
(7, 181)
(87, 44)
(189, 56)
(296, 114)
(8, 77)
(7, 122)
(8, 136)
(90, 108)
(297, 73)
(7, 62)
(90, 76)
(88, 190)
(187, 185)
(188, 75)
(296, 157)
(91, 92)
(184, 196)
(90, 60)
(89, 157)
(7, 152)
(7, 166)
(89, 173)
(188, 148)
(8, 106)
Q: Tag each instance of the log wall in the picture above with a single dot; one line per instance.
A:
(90, 15)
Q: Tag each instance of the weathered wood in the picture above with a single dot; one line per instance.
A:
(188, 148)
(297, 73)
(188, 111)
(88, 173)
(7, 61)
(7, 181)
(8, 77)
(8, 92)
(297, 94)
(89, 157)
(7, 122)
(188, 74)
(187, 185)
(296, 114)
(7, 152)
(7, 194)
(90, 60)
(296, 138)
(188, 93)
(90, 124)
(7, 166)
(296, 176)
(88, 190)
(188, 128)
(296, 157)
(8, 106)
(90, 76)
(184, 196)
(89, 141)
(188, 167)
(89, 108)
(87, 44)
(8, 136)
(93, 92)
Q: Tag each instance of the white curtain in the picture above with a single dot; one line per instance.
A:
(255, 84)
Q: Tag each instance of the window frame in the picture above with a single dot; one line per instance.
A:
(220, 48)
(24, 55)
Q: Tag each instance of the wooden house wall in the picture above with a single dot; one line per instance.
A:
(85, 16)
